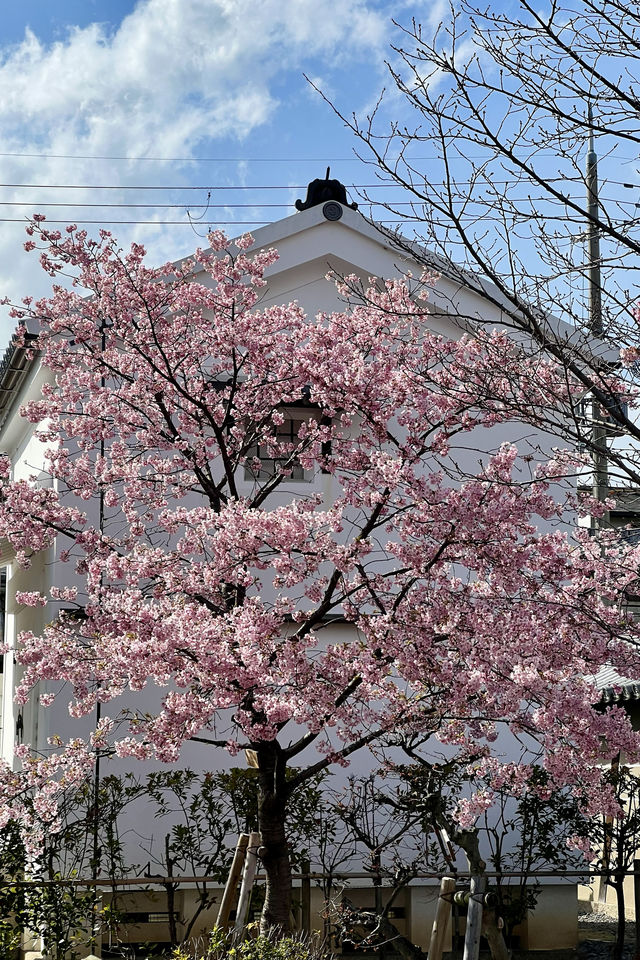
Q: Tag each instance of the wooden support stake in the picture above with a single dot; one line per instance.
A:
(231, 885)
(248, 876)
(443, 912)
(474, 918)
(305, 897)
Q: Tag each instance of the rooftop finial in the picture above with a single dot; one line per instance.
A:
(323, 191)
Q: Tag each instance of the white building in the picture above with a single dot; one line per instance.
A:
(328, 237)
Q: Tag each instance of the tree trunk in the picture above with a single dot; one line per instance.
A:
(274, 851)
(494, 936)
(618, 948)
(363, 924)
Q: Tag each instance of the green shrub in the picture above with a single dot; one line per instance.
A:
(270, 946)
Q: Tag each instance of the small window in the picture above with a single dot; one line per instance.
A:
(266, 460)
(285, 438)
(144, 916)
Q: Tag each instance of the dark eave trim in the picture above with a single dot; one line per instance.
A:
(17, 362)
(620, 694)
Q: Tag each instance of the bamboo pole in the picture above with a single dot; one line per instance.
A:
(443, 912)
(229, 894)
(248, 877)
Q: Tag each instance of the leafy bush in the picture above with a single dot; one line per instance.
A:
(269, 946)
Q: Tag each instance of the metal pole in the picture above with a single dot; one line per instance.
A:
(593, 235)
(599, 430)
(474, 918)
(96, 932)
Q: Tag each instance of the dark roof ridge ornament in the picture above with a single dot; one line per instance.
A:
(331, 193)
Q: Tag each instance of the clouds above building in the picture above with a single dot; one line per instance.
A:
(178, 79)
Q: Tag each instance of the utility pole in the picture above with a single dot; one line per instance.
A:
(96, 925)
(596, 328)
(593, 237)
(598, 428)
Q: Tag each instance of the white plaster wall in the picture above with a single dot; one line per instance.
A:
(309, 246)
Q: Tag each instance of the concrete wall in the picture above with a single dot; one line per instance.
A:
(551, 926)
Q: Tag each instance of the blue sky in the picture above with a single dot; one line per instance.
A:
(52, 20)
(206, 93)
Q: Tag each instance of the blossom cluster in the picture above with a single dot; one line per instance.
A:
(468, 606)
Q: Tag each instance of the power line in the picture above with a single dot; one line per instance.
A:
(70, 204)
(176, 206)
(96, 186)
(146, 206)
(192, 223)
(391, 206)
(208, 187)
(353, 158)
(155, 223)
(80, 156)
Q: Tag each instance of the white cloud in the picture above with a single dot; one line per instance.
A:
(171, 76)
(175, 71)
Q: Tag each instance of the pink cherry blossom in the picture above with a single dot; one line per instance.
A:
(468, 607)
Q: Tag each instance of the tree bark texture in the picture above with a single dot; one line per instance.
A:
(361, 924)
(618, 948)
(494, 936)
(274, 851)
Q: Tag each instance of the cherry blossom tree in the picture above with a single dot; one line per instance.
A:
(497, 128)
(184, 423)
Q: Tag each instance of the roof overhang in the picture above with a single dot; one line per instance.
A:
(16, 364)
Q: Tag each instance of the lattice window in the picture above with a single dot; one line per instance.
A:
(265, 460)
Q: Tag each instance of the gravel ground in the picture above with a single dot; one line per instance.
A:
(602, 926)
(597, 932)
